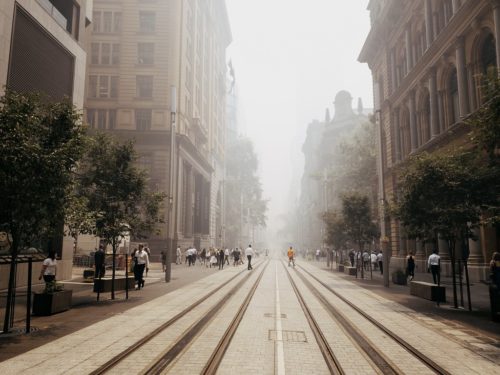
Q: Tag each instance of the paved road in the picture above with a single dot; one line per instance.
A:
(273, 337)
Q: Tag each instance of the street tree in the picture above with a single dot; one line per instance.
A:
(116, 193)
(41, 145)
(442, 196)
(243, 199)
(335, 235)
(357, 219)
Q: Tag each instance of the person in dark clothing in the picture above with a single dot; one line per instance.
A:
(220, 258)
(100, 263)
(410, 266)
(351, 257)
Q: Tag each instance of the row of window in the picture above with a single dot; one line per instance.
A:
(109, 53)
(106, 118)
(104, 86)
(111, 22)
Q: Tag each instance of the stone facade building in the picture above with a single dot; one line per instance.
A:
(42, 49)
(138, 50)
(318, 193)
(426, 59)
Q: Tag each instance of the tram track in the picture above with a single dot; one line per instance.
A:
(383, 363)
(117, 359)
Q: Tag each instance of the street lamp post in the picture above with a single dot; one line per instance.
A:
(171, 173)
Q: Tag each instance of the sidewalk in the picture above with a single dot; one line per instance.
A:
(477, 320)
(86, 311)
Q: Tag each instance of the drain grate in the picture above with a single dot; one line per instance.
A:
(290, 336)
(271, 315)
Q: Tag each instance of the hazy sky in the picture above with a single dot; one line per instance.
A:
(291, 57)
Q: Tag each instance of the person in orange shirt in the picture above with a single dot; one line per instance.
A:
(291, 257)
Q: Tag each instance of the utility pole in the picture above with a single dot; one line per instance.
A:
(171, 173)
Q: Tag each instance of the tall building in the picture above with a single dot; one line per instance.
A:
(318, 191)
(42, 49)
(426, 59)
(138, 50)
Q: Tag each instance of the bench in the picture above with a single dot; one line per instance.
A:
(88, 273)
(351, 271)
(104, 285)
(340, 267)
(429, 291)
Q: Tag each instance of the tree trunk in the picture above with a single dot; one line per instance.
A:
(114, 269)
(451, 245)
(11, 291)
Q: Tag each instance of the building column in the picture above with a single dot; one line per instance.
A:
(409, 54)
(429, 24)
(434, 103)
(393, 70)
(402, 241)
(443, 249)
(413, 123)
(397, 143)
(496, 16)
(419, 250)
(455, 5)
(475, 254)
(441, 111)
(463, 94)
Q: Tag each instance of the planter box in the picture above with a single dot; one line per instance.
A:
(48, 304)
(340, 268)
(399, 279)
(351, 271)
(104, 285)
(429, 291)
(88, 273)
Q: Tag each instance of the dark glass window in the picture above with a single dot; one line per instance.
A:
(143, 119)
(488, 54)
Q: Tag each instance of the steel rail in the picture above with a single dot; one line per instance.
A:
(138, 344)
(330, 358)
(410, 348)
(168, 357)
(218, 354)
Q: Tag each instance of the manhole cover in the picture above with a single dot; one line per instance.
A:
(17, 332)
(271, 315)
(291, 336)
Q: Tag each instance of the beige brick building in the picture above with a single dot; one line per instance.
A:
(42, 48)
(137, 51)
(426, 59)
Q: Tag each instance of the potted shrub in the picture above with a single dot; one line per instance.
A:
(399, 277)
(52, 299)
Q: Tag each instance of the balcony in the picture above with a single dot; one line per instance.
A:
(65, 12)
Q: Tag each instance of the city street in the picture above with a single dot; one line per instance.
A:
(196, 329)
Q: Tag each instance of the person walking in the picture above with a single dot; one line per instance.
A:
(433, 265)
(291, 256)
(163, 257)
(141, 264)
(494, 287)
(236, 257)
(49, 268)
(226, 256)
(249, 254)
(380, 259)
(178, 255)
(220, 259)
(410, 266)
(100, 263)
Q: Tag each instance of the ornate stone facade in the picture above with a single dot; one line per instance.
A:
(426, 59)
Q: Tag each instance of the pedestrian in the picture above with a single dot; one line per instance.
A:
(203, 256)
(49, 268)
(494, 288)
(163, 257)
(318, 253)
(236, 256)
(213, 258)
(178, 255)
(495, 270)
(249, 254)
(410, 266)
(291, 256)
(351, 257)
(380, 259)
(99, 263)
(433, 265)
(366, 260)
(220, 259)
(226, 256)
(373, 259)
(141, 264)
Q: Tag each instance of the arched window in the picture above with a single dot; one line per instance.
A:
(426, 120)
(453, 101)
(405, 133)
(488, 55)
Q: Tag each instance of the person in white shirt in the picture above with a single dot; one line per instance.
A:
(178, 254)
(433, 264)
(226, 256)
(380, 259)
(141, 263)
(49, 268)
(249, 254)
